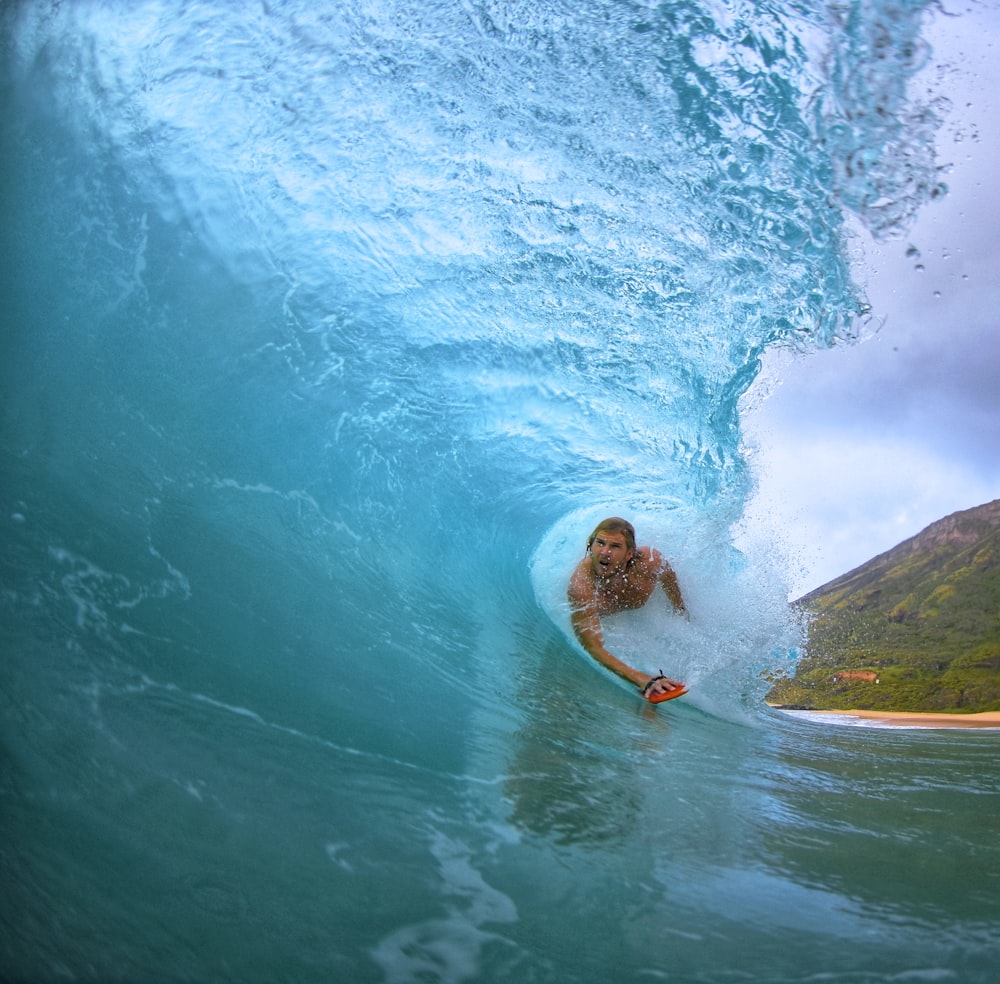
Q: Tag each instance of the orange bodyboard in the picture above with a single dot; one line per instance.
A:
(668, 695)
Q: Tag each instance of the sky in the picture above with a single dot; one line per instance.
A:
(862, 446)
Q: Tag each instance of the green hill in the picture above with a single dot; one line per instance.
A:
(915, 629)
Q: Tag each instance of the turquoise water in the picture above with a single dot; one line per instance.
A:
(328, 330)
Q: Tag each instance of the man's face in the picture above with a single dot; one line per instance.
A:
(609, 554)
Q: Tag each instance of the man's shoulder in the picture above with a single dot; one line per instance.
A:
(649, 557)
(581, 585)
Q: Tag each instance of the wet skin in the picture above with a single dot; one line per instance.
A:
(613, 578)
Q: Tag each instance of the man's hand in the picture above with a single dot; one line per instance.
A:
(660, 685)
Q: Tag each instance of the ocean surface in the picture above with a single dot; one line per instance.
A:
(329, 331)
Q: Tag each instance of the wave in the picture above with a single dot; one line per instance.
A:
(331, 329)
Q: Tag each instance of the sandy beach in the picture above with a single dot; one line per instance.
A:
(911, 719)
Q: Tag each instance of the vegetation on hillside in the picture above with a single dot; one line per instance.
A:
(915, 629)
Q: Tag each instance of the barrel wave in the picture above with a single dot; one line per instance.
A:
(330, 329)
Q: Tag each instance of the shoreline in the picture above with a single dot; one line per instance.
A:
(905, 719)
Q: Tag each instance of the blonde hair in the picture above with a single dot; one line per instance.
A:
(615, 524)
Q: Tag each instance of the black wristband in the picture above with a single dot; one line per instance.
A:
(650, 682)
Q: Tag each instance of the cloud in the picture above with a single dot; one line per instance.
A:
(842, 499)
(933, 380)
(862, 446)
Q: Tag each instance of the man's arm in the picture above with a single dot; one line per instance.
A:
(587, 626)
(668, 579)
(664, 573)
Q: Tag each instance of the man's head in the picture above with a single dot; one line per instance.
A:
(611, 546)
(615, 525)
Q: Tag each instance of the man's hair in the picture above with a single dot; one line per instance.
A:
(615, 525)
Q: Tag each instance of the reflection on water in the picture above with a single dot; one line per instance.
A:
(568, 782)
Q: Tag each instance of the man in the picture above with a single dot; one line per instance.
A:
(614, 576)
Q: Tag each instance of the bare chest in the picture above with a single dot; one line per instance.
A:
(622, 593)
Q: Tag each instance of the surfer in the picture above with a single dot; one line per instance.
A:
(615, 576)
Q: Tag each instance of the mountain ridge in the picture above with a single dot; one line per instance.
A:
(962, 527)
(915, 628)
